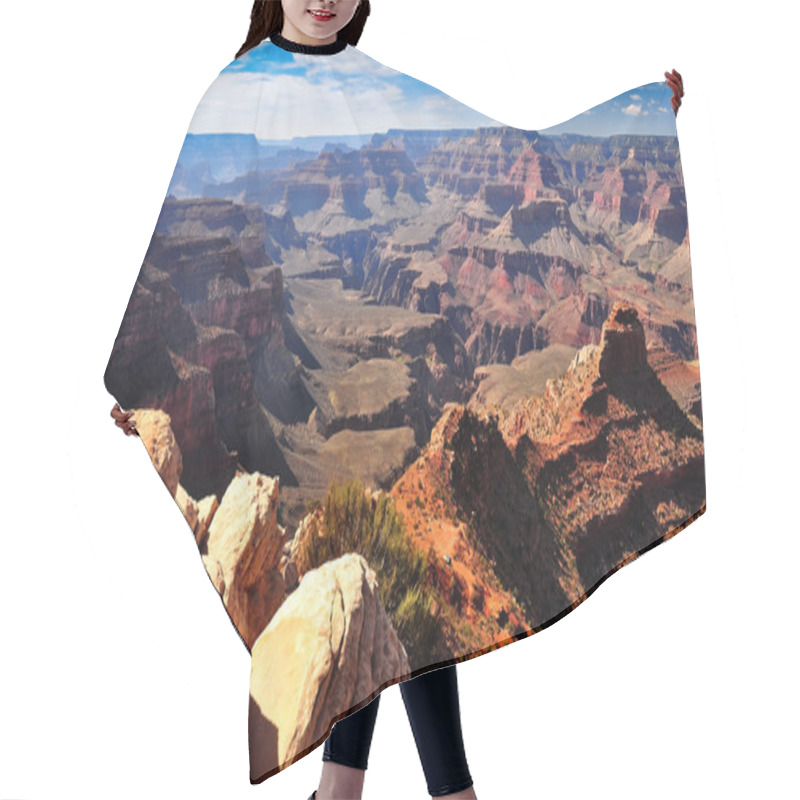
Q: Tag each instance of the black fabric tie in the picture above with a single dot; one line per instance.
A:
(310, 49)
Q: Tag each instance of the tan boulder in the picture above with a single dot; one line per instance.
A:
(155, 430)
(188, 506)
(328, 648)
(245, 544)
(206, 509)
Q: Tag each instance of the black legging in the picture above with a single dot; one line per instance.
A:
(432, 706)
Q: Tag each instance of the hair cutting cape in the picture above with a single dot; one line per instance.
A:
(418, 381)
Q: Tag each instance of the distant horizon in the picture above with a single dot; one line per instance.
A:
(336, 138)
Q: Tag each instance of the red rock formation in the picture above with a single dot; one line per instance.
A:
(344, 178)
(535, 173)
(197, 316)
(535, 506)
(622, 345)
(682, 379)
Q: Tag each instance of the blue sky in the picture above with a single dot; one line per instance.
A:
(644, 110)
(301, 95)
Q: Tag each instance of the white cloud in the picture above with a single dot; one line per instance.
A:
(349, 96)
(632, 110)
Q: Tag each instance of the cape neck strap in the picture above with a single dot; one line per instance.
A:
(310, 49)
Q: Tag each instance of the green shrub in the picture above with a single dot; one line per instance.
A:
(350, 525)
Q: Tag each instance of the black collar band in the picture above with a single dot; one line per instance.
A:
(310, 49)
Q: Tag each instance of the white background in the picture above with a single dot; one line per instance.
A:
(121, 675)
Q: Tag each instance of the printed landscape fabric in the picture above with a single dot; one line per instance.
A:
(418, 381)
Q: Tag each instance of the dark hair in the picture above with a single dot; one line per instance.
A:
(266, 18)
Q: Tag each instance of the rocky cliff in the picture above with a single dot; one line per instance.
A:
(529, 508)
